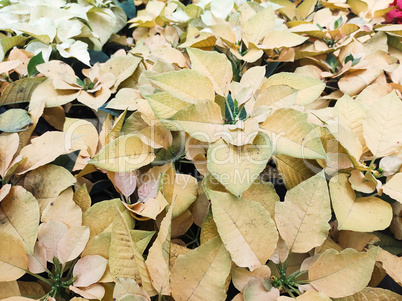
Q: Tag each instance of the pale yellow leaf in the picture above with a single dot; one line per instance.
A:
(236, 167)
(124, 154)
(9, 289)
(198, 86)
(361, 183)
(364, 214)
(372, 294)
(279, 39)
(264, 193)
(82, 198)
(165, 105)
(126, 286)
(98, 245)
(342, 274)
(201, 273)
(19, 216)
(9, 143)
(215, 66)
(250, 243)
(159, 256)
(72, 243)
(356, 240)
(89, 270)
(47, 182)
(309, 88)
(292, 135)
(99, 216)
(294, 170)
(382, 126)
(63, 209)
(394, 187)
(181, 189)
(241, 276)
(13, 260)
(313, 296)
(43, 149)
(256, 28)
(149, 208)
(37, 261)
(392, 264)
(256, 291)
(303, 218)
(94, 291)
(49, 235)
(125, 260)
(202, 120)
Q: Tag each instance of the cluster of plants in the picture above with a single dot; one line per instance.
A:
(210, 150)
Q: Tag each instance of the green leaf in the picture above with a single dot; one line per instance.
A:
(338, 22)
(14, 120)
(9, 42)
(33, 62)
(128, 6)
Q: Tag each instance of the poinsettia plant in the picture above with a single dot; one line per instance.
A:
(228, 150)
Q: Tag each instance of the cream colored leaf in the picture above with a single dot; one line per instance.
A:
(9, 143)
(98, 245)
(72, 243)
(214, 65)
(125, 260)
(312, 296)
(94, 291)
(49, 235)
(241, 276)
(294, 170)
(47, 182)
(42, 150)
(197, 86)
(159, 256)
(236, 167)
(264, 193)
(372, 294)
(256, 291)
(364, 214)
(382, 126)
(393, 187)
(256, 27)
(19, 216)
(309, 88)
(361, 182)
(356, 240)
(82, 198)
(179, 188)
(279, 39)
(202, 120)
(126, 286)
(342, 274)
(13, 260)
(350, 113)
(303, 218)
(392, 264)
(99, 216)
(37, 261)
(82, 134)
(165, 105)
(89, 270)
(250, 243)
(292, 135)
(127, 98)
(9, 289)
(63, 209)
(51, 96)
(124, 154)
(149, 209)
(201, 273)
(221, 9)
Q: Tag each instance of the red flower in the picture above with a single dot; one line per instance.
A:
(395, 15)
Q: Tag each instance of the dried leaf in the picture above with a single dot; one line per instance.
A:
(89, 270)
(72, 243)
(13, 260)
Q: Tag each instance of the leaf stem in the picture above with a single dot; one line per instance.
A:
(39, 277)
